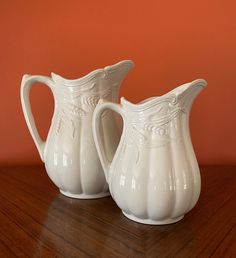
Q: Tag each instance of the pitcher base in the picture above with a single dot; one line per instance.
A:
(85, 196)
(150, 221)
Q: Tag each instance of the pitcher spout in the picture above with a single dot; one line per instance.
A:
(186, 93)
(120, 69)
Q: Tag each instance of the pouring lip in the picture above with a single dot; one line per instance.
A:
(170, 96)
(100, 72)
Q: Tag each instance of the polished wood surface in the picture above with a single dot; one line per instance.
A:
(37, 221)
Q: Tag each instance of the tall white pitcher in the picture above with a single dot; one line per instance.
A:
(69, 152)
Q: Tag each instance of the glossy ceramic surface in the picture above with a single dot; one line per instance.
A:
(69, 152)
(154, 176)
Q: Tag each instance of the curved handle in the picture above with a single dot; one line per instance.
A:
(26, 83)
(100, 108)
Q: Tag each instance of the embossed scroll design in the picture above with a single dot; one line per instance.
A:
(75, 106)
(160, 124)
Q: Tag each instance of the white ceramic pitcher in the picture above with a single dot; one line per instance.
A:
(154, 176)
(69, 152)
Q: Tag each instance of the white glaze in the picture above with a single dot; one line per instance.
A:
(154, 176)
(69, 152)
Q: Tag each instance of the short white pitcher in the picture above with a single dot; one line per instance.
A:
(154, 175)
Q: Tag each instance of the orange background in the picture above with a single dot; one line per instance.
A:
(171, 42)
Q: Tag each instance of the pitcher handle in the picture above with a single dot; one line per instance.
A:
(100, 108)
(26, 83)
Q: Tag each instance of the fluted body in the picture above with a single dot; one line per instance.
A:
(154, 176)
(69, 152)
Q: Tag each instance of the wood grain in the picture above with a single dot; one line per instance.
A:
(37, 221)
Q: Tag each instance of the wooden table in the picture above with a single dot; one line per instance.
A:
(37, 221)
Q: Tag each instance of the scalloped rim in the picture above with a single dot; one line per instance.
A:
(98, 72)
(154, 100)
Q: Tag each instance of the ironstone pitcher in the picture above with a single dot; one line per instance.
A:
(154, 175)
(69, 153)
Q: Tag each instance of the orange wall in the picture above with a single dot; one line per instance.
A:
(171, 42)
